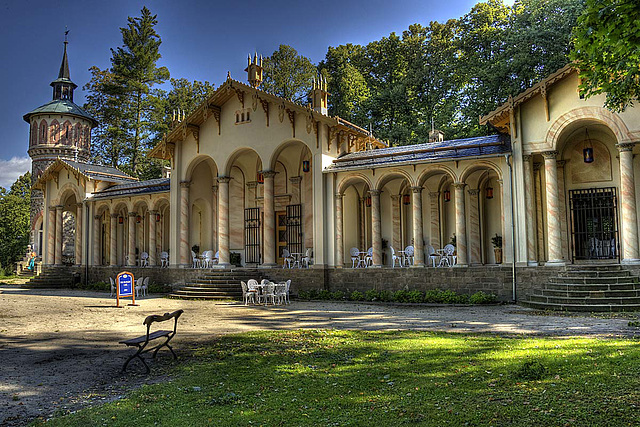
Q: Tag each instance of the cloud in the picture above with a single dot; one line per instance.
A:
(10, 170)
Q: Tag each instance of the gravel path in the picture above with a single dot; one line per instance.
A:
(60, 351)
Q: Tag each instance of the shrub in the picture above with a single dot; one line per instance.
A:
(415, 296)
(302, 294)
(400, 296)
(324, 294)
(338, 295)
(386, 296)
(159, 288)
(482, 298)
(372, 295)
(356, 296)
(235, 258)
(531, 370)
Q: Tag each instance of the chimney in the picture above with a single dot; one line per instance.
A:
(319, 95)
(436, 135)
(254, 71)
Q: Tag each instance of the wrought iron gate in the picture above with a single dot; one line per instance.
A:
(252, 235)
(594, 223)
(294, 229)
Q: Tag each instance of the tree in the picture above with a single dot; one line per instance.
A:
(607, 51)
(14, 222)
(288, 74)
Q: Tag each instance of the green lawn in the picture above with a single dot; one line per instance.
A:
(339, 378)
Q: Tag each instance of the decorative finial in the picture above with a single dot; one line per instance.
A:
(66, 34)
(228, 75)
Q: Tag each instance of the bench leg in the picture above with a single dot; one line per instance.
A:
(166, 343)
(137, 354)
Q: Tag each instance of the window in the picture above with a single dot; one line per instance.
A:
(243, 116)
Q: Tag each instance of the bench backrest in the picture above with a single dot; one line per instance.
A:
(161, 318)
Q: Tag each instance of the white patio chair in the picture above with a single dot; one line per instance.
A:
(432, 255)
(138, 287)
(355, 257)
(306, 258)
(144, 259)
(216, 258)
(286, 258)
(113, 287)
(207, 262)
(195, 260)
(281, 293)
(449, 258)
(408, 255)
(368, 258)
(145, 287)
(164, 259)
(247, 294)
(252, 286)
(269, 293)
(395, 258)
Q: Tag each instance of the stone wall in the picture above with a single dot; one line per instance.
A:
(464, 280)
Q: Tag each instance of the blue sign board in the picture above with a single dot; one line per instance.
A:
(125, 284)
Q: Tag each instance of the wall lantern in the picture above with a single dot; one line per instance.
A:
(489, 194)
(406, 199)
(447, 195)
(367, 201)
(120, 220)
(306, 166)
(157, 217)
(138, 219)
(587, 151)
(260, 178)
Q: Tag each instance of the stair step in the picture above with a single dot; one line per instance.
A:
(593, 280)
(577, 287)
(581, 307)
(590, 293)
(593, 267)
(595, 273)
(190, 286)
(585, 301)
(200, 297)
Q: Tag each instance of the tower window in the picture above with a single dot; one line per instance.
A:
(243, 116)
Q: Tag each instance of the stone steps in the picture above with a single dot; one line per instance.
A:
(50, 279)
(217, 285)
(589, 288)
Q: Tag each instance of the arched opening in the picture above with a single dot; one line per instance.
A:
(203, 202)
(356, 218)
(438, 210)
(395, 220)
(293, 199)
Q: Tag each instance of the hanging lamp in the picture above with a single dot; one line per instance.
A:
(587, 151)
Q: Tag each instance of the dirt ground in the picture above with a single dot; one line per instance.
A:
(59, 349)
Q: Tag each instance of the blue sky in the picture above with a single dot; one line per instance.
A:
(201, 40)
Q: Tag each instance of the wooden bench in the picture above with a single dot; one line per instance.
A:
(142, 341)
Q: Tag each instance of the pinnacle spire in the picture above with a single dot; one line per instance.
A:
(63, 86)
(64, 67)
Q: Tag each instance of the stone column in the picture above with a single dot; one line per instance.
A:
(554, 237)
(59, 226)
(563, 211)
(185, 252)
(434, 202)
(152, 238)
(475, 257)
(461, 225)
(396, 241)
(339, 242)
(537, 177)
(295, 190)
(530, 213)
(113, 240)
(214, 217)
(375, 228)
(362, 222)
(51, 235)
(418, 239)
(269, 220)
(132, 239)
(628, 206)
(223, 221)
(96, 240)
(78, 242)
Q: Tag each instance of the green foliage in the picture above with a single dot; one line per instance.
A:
(372, 295)
(235, 258)
(97, 286)
(482, 298)
(356, 296)
(288, 74)
(438, 296)
(338, 296)
(159, 288)
(530, 370)
(607, 51)
(14, 222)
(323, 294)
(382, 378)
(496, 241)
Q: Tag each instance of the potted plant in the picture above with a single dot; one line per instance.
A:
(496, 241)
